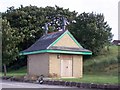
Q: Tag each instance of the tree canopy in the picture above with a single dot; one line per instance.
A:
(92, 31)
(29, 21)
(23, 26)
(10, 40)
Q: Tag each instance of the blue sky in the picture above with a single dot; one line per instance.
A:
(108, 7)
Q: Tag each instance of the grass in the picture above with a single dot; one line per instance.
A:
(103, 64)
(102, 79)
(16, 74)
(20, 72)
(0, 74)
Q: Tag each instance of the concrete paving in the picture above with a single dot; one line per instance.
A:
(11, 84)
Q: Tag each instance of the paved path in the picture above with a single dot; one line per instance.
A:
(12, 84)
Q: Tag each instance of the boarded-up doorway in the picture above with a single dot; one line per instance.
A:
(66, 66)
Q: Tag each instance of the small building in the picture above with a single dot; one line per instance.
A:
(56, 54)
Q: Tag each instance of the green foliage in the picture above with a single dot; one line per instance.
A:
(10, 39)
(23, 26)
(29, 21)
(92, 31)
(103, 64)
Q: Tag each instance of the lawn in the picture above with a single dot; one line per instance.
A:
(102, 79)
(0, 74)
(87, 78)
(105, 64)
(22, 71)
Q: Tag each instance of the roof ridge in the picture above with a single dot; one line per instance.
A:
(55, 32)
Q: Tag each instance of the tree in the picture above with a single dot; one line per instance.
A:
(26, 24)
(29, 21)
(10, 39)
(91, 31)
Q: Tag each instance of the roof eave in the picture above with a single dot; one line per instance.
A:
(55, 51)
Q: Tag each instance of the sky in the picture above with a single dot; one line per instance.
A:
(107, 7)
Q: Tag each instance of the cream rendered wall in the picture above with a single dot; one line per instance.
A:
(77, 65)
(38, 64)
(66, 41)
(54, 65)
(50, 65)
